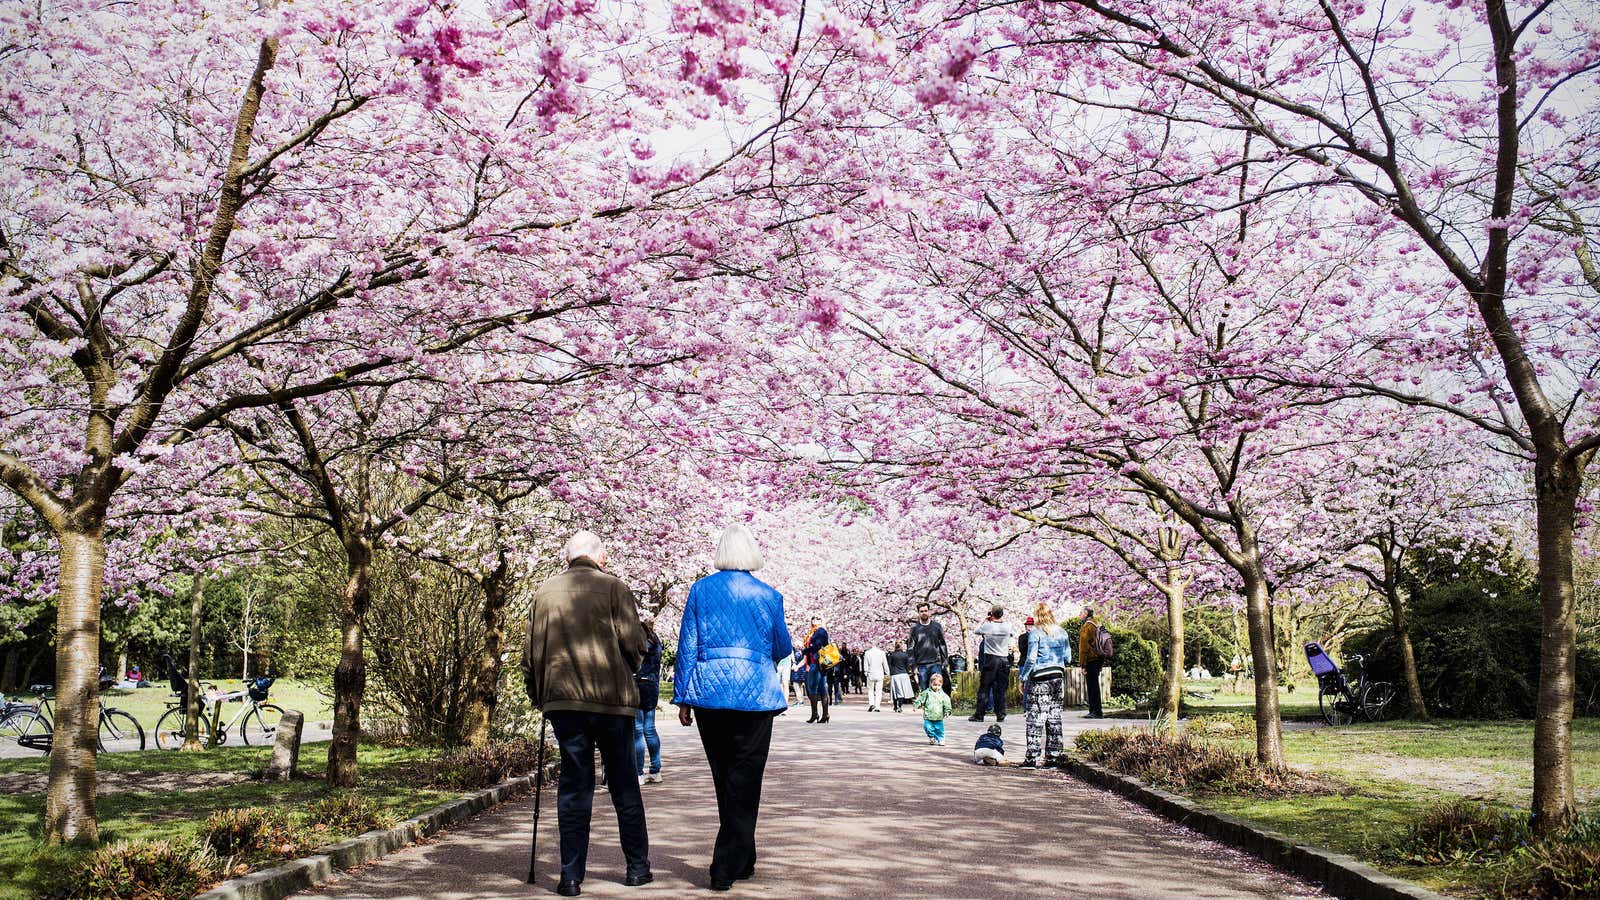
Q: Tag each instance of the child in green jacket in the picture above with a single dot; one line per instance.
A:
(935, 705)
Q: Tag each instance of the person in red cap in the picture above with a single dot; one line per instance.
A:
(1022, 639)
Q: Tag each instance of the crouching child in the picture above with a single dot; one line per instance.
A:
(991, 748)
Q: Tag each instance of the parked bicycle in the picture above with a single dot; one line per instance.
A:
(1342, 702)
(33, 725)
(256, 722)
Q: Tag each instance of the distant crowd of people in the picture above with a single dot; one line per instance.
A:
(592, 663)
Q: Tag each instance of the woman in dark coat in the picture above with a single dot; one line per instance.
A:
(645, 736)
(816, 676)
(732, 636)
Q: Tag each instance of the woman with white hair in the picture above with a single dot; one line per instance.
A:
(732, 635)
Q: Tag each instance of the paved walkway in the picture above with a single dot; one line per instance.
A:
(862, 808)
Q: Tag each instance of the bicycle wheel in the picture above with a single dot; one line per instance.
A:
(169, 730)
(35, 733)
(1335, 709)
(260, 725)
(116, 725)
(1377, 701)
(11, 723)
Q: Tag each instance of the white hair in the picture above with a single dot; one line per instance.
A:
(584, 543)
(737, 550)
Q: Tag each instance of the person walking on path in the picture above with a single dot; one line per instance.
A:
(900, 689)
(837, 673)
(935, 706)
(583, 648)
(645, 736)
(874, 668)
(1043, 673)
(733, 633)
(1088, 636)
(994, 666)
(927, 645)
(816, 677)
(797, 673)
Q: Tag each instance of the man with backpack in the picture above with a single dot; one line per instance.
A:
(1094, 649)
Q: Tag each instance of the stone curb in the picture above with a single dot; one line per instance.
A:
(297, 875)
(1340, 875)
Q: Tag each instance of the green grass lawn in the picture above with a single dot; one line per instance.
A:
(1394, 771)
(1295, 704)
(169, 811)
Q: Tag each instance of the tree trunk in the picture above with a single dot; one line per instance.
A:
(1171, 700)
(350, 676)
(1408, 656)
(69, 811)
(1263, 655)
(122, 666)
(1557, 483)
(191, 716)
(486, 681)
(8, 677)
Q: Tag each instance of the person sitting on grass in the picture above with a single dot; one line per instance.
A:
(991, 749)
(935, 706)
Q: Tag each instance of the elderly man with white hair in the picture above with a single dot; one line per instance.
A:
(584, 644)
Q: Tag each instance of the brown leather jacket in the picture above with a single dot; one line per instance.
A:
(584, 643)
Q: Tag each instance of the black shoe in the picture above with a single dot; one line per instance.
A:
(722, 885)
(1029, 764)
(636, 880)
(746, 875)
(974, 718)
(824, 719)
(999, 718)
(568, 889)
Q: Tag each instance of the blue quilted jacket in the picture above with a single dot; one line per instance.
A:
(731, 638)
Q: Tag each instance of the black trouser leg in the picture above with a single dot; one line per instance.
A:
(614, 735)
(1091, 686)
(985, 684)
(574, 791)
(1002, 683)
(736, 745)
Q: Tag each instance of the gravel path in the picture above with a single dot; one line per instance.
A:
(861, 808)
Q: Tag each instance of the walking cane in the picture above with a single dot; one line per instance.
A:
(538, 795)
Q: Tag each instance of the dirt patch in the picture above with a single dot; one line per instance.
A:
(123, 782)
(1456, 776)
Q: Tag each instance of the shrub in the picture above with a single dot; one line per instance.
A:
(473, 768)
(1089, 742)
(1563, 870)
(1136, 670)
(1462, 831)
(145, 870)
(346, 812)
(964, 692)
(254, 829)
(1185, 763)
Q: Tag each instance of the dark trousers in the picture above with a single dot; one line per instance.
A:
(1091, 685)
(580, 734)
(994, 678)
(736, 748)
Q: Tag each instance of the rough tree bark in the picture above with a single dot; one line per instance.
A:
(486, 681)
(191, 714)
(350, 676)
(69, 813)
(1402, 633)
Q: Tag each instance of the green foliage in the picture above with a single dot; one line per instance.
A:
(251, 830)
(1136, 670)
(1187, 763)
(143, 870)
(347, 812)
(1474, 624)
(1562, 871)
(1459, 831)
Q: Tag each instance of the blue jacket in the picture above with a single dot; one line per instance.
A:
(731, 638)
(1048, 654)
(987, 741)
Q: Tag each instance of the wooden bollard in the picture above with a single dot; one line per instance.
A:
(286, 748)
